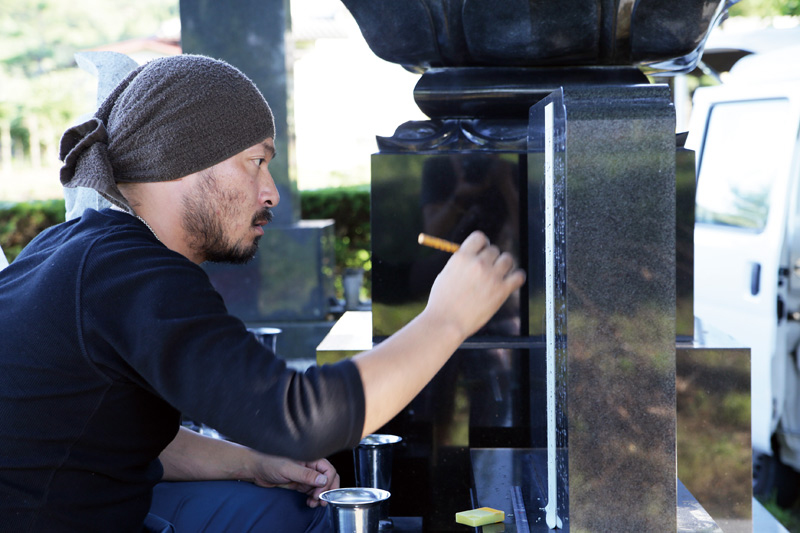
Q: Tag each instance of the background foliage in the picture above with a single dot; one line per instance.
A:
(765, 8)
(39, 86)
(348, 207)
(21, 222)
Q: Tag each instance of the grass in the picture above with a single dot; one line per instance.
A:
(789, 518)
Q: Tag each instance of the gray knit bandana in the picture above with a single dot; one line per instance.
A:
(167, 119)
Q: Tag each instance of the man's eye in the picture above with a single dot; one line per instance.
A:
(259, 161)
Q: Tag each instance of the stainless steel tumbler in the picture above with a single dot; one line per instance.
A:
(373, 465)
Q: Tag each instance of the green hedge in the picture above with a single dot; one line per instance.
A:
(348, 206)
(21, 222)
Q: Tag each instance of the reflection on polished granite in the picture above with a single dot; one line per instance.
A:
(714, 420)
(613, 167)
(500, 473)
(448, 195)
(513, 481)
(685, 188)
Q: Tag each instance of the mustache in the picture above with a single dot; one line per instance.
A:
(264, 214)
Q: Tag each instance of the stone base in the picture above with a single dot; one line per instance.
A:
(290, 279)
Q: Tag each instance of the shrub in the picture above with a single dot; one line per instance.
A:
(21, 222)
(348, 206)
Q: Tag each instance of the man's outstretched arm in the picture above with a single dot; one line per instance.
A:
(476, 281)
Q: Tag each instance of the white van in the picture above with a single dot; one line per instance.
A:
(747, 240)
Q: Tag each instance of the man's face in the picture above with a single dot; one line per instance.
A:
(224, 212)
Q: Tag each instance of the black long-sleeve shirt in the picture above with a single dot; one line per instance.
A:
(106, 336)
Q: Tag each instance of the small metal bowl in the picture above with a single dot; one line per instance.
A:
(355, 497)
(355, 510)
(378, 439)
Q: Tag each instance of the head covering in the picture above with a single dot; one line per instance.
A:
(167, 119)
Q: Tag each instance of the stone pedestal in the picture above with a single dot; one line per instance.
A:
(603, 223)
(288, 285)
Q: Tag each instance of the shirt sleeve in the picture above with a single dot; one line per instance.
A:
(151, 317)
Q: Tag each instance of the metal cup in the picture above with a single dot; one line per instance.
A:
(266, 336)
(373, 464)
(355, 510)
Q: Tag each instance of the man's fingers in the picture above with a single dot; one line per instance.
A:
(474, 243)
(301, 475)
(490, 254)
(516, 278)
(477, 243)
(505, 262)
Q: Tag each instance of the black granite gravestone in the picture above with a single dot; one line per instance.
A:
(568, 394)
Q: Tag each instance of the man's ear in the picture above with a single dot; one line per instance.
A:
(131, 193)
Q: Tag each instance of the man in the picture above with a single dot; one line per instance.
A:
(109, 329)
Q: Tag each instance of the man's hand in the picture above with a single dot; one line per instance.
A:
(311, 478)
(473, 285)
(193, 457)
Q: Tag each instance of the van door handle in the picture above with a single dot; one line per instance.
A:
(755, 279)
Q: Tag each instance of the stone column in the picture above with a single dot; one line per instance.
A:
(608, 154)
(252, 36)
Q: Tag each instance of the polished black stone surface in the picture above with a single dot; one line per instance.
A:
(455, 33)
(685, 189)
(613, 172)
(289, 279)
(447, 195)
(479, 399)
(507, 92)
(491, 393)
(449, 135)
(514, 480)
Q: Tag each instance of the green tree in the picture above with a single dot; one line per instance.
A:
(39, 88)
(765, 8)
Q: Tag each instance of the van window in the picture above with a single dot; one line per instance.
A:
(745, 146)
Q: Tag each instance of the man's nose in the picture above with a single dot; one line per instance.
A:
(269, 192)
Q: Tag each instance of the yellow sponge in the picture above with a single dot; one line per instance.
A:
(480, 517)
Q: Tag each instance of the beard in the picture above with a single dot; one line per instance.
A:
(204, 214)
